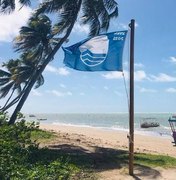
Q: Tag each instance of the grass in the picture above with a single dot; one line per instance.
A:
(155, 160)
(43, 136)
(87, 165)
(21, 157)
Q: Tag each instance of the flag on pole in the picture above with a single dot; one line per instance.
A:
(100, 53)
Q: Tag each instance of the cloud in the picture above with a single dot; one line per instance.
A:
(11, 23)
(125, 26)
(82, 93)
(36, 93)
(173, 59)
(106, 88)
(171, 90)
(144, 90)
(162, 78)
(118, 93)
(59, 93)
(59, 71)
(138, 65)
(138, 75)
(81, 28)
(62, 85)
(63, 71)
(113, 75)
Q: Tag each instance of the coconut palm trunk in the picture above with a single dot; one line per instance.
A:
(43, 66)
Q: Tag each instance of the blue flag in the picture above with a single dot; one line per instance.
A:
(100, 53)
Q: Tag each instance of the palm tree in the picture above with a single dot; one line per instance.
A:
(9, 80)
(47, 40)
(16, 78)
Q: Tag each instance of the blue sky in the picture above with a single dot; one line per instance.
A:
(69, 91)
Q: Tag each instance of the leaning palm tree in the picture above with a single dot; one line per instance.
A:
(96, 14)
(8, 80)
(15, 78)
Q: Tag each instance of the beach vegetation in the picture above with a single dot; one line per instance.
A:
(27, 152)
(42, 136)
(21, 157)
(153, 160)
(41, 38)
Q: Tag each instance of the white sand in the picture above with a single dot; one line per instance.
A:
(142, 143)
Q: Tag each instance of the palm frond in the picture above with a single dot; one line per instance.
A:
(5, 89)
(111, 5)
(115, 13)
(40, 81)
(4, 73)
(4, 80)
(7, 6)
(51, 6)
(98, 14)
(32, 57)
(90, 17)
(66, 11)
(25, 2)
(35, 35)
(18, 89)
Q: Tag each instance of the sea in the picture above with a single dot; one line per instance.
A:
(108, 121)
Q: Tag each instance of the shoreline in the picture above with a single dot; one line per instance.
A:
(138, 131)
(116, 138)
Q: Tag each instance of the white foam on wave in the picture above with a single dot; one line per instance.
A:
(117, 128)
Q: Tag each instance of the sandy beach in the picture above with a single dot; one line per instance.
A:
(89, 138)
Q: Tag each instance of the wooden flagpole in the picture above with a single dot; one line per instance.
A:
(131, 109)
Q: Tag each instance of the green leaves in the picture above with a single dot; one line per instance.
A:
(34, 37)
(97, 14)
(21, 158)
(8, 6)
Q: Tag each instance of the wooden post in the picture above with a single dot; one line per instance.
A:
(131, 109)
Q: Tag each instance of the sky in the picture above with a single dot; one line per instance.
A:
(69, 91)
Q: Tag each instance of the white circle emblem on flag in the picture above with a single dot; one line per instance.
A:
(94, 51)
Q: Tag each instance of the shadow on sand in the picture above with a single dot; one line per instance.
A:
(101, 159)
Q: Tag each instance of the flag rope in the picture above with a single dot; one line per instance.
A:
(126, 91)
(123, 74)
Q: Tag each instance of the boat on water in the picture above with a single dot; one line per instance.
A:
(42, 119)
(32, 115)
(149, 122)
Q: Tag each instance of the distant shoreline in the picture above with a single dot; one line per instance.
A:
(108, 122)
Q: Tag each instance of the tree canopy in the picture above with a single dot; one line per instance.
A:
(39, 41)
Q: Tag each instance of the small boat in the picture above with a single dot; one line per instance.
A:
(32, 115)
(149, 122)
(42, 119)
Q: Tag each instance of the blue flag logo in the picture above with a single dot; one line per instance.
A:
(100, 53)
(94, 51)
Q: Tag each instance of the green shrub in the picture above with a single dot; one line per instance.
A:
(20, 154)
